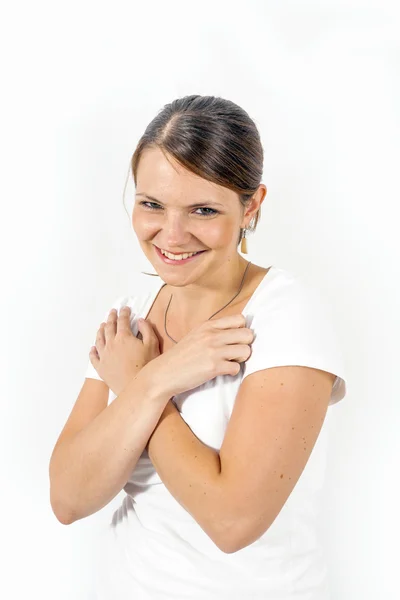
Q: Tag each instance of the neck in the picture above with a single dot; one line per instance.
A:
(205, 296)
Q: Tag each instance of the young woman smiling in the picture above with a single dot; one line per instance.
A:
(212, 428)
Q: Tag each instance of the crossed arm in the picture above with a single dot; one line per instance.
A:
(236, 494)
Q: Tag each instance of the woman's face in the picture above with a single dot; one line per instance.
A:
(169, 221)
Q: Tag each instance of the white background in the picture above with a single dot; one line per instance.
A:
(80, 82)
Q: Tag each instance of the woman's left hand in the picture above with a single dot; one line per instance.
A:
(118, 355)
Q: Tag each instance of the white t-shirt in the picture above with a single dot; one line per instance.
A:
(153, 548)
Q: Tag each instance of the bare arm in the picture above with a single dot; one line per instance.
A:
(191, 471)
(88, 470)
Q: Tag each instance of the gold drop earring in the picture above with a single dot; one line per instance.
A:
(243, 245)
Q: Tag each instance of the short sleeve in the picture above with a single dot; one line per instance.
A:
(295, 327)
(90, 370)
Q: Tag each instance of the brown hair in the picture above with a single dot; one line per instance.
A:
(211, 137)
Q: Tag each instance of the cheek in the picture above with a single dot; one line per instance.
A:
(218, 235)
(142, 226)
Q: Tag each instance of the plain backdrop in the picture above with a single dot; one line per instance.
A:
(80, 82)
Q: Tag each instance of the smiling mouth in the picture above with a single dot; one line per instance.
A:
(178, 261)
(179, 253)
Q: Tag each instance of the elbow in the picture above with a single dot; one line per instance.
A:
(64, 521)
(227, 541)
(63, 516)
(237, 538)
(230, 536)
(227, 548)
(230, 545)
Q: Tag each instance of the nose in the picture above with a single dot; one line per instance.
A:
(175, 233)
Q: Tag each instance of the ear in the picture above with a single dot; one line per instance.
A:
(255, 204)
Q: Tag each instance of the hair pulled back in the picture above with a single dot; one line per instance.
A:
(213, 138)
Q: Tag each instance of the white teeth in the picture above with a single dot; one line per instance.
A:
(177, 256)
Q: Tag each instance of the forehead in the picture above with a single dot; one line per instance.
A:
(163, 177)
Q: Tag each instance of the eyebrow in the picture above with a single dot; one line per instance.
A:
(197, 205)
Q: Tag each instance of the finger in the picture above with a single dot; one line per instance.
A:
(100, 337)
(124, 320)
(94, 356)
(110, 328)
(241, 335)
(147, 332)
(237, 352)
(229, 322)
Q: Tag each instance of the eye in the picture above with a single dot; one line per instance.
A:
(145, 204)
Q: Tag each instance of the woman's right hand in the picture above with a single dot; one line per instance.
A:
(213, 348)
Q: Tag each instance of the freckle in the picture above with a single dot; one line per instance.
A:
(292, 427)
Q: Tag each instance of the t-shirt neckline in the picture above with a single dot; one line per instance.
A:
(257, 290)
(245, 310)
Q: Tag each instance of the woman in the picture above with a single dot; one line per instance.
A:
(213, 429)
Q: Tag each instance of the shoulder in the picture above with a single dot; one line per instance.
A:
(293, 324)
(288, 303)
(279, 291)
